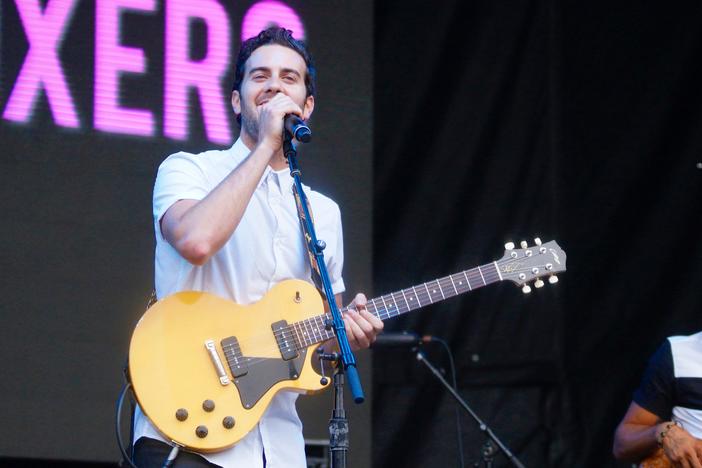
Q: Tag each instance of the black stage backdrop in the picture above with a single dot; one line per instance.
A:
(498, 121)
(77, 235)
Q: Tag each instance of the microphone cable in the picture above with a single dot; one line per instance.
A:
(459, 432)
(118, 424)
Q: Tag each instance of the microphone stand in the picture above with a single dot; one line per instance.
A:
(346, 364)
(487, 451)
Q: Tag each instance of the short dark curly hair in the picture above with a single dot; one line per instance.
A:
(279, 36)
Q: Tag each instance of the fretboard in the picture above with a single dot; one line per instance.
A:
(314, 329)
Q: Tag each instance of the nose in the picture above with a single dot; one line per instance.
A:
(273, 85)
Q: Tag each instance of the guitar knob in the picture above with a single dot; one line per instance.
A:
(553, 279)
(524, 244)
(228, 422)
(538, 283)
(181, 414)
(537, 240)
(208, 405)
(509, 246)
(526, 289)
(201, 431)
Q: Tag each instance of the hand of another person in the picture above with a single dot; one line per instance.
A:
(362, 327)
(682, 449)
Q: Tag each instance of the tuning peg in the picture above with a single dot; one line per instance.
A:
(509, 246)
(539, 283)
(537, 240)
(526, 289)
(524, 244)
(553, 279)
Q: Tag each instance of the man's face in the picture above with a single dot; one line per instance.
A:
(269, 70)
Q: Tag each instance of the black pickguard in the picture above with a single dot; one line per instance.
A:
(264, 373)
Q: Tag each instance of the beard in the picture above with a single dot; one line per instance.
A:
(249, 121)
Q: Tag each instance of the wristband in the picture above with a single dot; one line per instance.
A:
(666, 428)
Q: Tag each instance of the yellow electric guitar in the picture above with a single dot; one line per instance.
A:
(657, 459)
(204, 369)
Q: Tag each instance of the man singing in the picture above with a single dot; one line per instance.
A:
(226, 223)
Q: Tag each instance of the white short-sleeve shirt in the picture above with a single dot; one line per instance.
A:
(266, 247)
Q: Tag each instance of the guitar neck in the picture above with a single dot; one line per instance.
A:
(313, 330)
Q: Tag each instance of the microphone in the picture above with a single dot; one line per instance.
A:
(296, 127)
(404, 338)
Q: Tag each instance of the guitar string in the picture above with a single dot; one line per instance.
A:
(299, 329)
(382, 313)
(442, 283)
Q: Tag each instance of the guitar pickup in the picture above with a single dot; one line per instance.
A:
(286, 341)
(236, 361)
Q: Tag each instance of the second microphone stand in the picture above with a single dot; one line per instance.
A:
(488, 452)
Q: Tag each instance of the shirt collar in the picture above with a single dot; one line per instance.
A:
(240, 151)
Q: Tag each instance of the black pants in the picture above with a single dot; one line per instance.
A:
(151, 453)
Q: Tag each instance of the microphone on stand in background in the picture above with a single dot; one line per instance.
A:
(405, 338)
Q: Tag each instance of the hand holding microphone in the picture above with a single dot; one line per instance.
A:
(278, 116)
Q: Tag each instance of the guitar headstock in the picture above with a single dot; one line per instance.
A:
(532, 263)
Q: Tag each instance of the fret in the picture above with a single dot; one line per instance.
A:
(375, 308)
(497, 269)
(385, 306)
(481, 276)
(454, 285)
(306, 331)
(319, 325)
(470, 288)
(398, 310)
(405, 298)
(298, 338)
(416, 296)
(326, 334)
(318, 329)
(428, 293)
(440, 289)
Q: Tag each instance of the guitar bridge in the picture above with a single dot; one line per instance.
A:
(286, 341)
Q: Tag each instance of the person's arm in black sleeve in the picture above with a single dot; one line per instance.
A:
(646, 424)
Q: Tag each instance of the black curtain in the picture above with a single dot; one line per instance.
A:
(498, 121)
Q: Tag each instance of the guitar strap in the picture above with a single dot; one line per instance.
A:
(151, 300)
(314, 266)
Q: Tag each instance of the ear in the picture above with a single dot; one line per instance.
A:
(236, 102)
(308, 107)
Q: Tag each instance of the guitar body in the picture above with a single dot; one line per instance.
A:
(657, 459)
(178, 383)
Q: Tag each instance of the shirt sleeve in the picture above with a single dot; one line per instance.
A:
(656, 392)
(179, 178)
